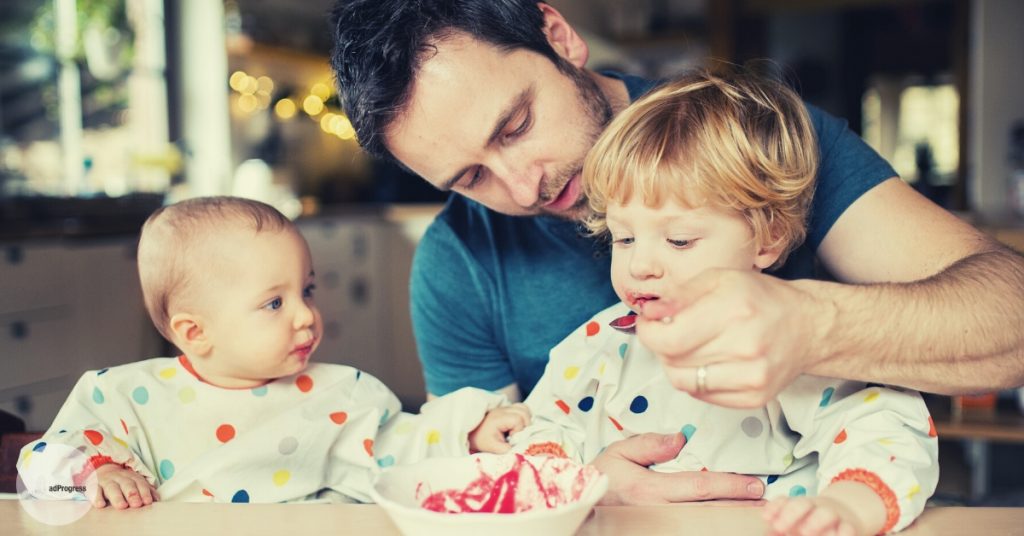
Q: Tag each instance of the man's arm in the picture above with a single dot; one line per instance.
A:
(936, 305)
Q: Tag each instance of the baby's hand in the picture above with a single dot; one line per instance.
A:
(490, 435)
(123, 488)
(810, 516)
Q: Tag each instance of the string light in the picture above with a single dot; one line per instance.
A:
(320, 90)
(285, 109)
(237, 80)
(313, 105)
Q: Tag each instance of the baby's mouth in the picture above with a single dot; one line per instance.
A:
(637, 301)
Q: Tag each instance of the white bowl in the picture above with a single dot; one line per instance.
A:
(570, 489)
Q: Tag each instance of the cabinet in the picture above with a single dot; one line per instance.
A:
(66, 307)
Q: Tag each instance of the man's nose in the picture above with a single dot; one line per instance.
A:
(521, 178)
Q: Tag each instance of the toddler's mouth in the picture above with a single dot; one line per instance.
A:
(636, 300)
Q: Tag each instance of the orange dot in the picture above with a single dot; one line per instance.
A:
(615, 423)
(931, 428)
(339, 417)
(593, 328)
(304, 383)
(225, 433)
(562, 406)
(125, 426)
(368, 445)
(207, 492)
(703, 469)
(94, 437)
(841, 437)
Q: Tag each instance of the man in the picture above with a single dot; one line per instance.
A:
(489, 99)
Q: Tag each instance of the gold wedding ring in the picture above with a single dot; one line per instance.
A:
(702, 379)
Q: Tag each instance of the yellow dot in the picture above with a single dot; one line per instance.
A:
(787, 460)
(871, 396)
(404, 428)
(187, 395)
(600, 371)
(168, 373)
(433, 437)
(571, 372)
(121, 442)
(885, 441)
(25, 456)
(913, 491)
(281, 477)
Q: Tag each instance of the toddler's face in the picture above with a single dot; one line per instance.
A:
(264, 323)
(656, 250)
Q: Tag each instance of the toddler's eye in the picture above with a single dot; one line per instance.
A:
(680, 244)
(308, 291)
(273, 304)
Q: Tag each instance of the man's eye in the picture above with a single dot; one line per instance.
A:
(475, 179)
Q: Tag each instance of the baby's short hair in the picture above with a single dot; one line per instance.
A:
(169, 245)
(735, 141)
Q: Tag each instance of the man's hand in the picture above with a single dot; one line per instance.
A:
(492, 433)
(123, 488)
(752, 333)
(631, 482)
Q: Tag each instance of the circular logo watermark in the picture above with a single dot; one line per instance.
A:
(51, 487)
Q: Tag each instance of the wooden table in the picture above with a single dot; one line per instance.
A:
(308, 519)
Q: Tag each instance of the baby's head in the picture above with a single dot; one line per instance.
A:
(230, 281)
(716, 171)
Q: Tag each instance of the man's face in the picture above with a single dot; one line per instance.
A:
(506, 129)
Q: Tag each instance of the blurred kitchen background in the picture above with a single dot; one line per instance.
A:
(111, 108)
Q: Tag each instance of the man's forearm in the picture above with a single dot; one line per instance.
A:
(959, 331)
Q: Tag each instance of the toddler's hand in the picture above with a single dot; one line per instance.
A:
(490, 435)
(123, 488)
(810, 516)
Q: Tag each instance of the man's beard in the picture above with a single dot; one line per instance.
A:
(598, 113)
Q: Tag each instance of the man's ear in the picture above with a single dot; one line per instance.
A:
(563, 38)
(189, 334)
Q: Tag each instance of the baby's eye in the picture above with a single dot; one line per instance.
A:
(308, 291)
(273, 304)
(623, 241)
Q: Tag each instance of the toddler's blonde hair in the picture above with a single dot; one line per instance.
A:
(735, 141)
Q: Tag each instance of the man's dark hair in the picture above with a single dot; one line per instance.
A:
(379, 46)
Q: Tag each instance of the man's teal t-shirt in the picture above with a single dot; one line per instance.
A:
(492, 294)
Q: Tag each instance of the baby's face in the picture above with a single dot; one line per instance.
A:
(656, 250)
(263, 323)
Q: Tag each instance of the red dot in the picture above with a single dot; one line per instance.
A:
(615, 423)
(207, 492)
(94, 437)
(368, 445)
(931, 428)
(125, 426)
(703, 469)
(892, 458)
(593, 328)
(562, 406)
(304, 383)
(339, 417)
(841, 437)
(225, 433)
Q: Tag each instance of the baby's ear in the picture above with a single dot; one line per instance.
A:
(189, 334)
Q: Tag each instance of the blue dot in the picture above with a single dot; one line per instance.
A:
(797, 491)
(384, 418)
(586, 403)
(359, 373)
(639, 405)
(41, 446)
(386, 461)
(772, 478)
(97, 395)
(102, 371)
(62, 431)
(688, 431)
(240, 496)
(622, 349)
(140, 395)
(166, 469)
(260, 391)
(826, 396)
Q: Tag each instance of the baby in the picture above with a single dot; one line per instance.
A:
(717, 172)
(242, 415)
